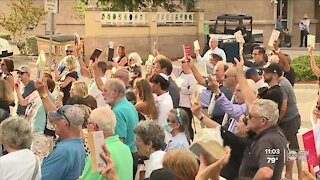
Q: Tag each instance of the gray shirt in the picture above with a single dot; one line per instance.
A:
(288, 94)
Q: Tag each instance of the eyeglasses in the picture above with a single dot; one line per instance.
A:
(62, 113)
(250, 116)
(21, 73)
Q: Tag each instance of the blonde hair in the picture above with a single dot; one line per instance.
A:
(81, 88)
(182, 163)
(6, 93)
(70, 62)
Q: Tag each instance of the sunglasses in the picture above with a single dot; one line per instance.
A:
(69, 51)
(62, 113)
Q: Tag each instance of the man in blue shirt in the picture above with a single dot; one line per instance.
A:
(67, 159)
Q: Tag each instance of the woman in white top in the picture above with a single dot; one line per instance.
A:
(149, 141)
(177, 125)
(186, 83)
(20, 162)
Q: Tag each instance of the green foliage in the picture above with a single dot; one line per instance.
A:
(303, 69)
(29, 47)
(137, 5)
(5, 36)
(79, 8)
(23, 15)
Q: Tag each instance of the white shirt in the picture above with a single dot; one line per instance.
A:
(304, 24)
(96, 93)
(164, 104)
(18, 165)
(205, 58)
(187, 84)
(154, 163)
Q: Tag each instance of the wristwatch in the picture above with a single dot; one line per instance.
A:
(44, 96)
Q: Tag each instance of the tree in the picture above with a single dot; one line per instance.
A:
(23, 15)
(135, 5)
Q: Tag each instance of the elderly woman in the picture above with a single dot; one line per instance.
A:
(71, 76)
(149, 141)
(177, 125)
(20, 162)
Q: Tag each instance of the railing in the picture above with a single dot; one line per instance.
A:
(138, 18)
(175, 18)
(119, 18)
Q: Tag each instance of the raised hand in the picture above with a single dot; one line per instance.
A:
(239, 64)
(212, 171)
(109, 171)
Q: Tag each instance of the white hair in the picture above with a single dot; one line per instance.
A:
(268, 109)
(104, 118)
(15, 132)
(136, 57)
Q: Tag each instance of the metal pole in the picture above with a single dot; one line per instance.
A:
(50, 43)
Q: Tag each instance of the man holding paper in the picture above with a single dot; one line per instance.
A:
(119, 152)
(213, 44)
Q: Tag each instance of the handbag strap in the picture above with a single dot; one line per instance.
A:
(36, 169)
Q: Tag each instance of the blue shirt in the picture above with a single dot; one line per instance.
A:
(279, 25)
(127, 118)
(66, 160)
(178, 141)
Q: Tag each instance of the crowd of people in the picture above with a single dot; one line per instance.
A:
(147, 117)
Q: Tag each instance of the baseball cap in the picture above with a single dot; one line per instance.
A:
(24, 68)
(273, 68)
(251, 72)
(71, 113)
